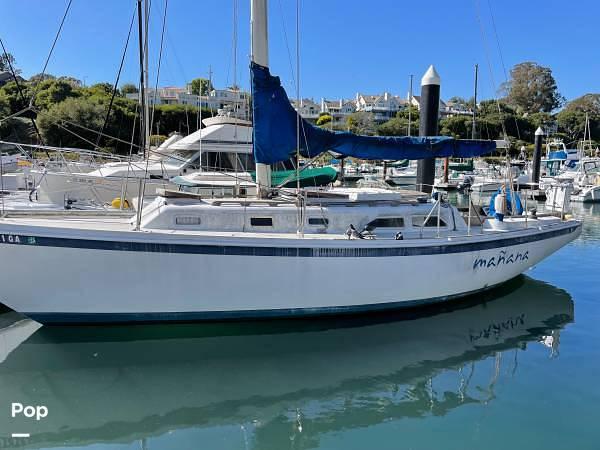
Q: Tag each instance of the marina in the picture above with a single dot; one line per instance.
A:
(226, 262)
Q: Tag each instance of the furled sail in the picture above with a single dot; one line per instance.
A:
(275, 138)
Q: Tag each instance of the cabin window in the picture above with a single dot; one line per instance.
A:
(417, 221)
(187, 220)
(386, 222)
(261, 221)
(318, 221)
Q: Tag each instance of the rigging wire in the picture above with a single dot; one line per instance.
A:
(295, 83)
(287, 44)
(235, 50)
(115, 87)
(160, 53)
(298, 124)
(75, 124)
(162, 36)
(489, 64)
(142, 89)
(62, 22)
(20, 90)
(501, 58)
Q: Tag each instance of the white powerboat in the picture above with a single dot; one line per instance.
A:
(9, 163)
(225, 142)
(403, 176)
(586, 182)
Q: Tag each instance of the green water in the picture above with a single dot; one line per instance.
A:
(516, 368)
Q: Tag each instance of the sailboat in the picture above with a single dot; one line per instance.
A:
(285, 252)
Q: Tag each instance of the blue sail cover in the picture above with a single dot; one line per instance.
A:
(275, 125)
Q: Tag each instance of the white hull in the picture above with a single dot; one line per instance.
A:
(407, 180)
(116, 276)
(486, 186)
(587, 195)
(9, 163)
(558, 197)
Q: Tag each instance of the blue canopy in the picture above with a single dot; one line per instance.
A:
(275, 125)
(559, 154)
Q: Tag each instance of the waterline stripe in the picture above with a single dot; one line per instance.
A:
(311, 252)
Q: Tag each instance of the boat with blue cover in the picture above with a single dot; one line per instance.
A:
(188, 257)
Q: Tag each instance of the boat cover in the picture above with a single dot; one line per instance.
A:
(514, 208)
(275, 139)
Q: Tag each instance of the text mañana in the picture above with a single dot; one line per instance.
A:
(502, 259)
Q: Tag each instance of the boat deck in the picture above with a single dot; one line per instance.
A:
(84, 222)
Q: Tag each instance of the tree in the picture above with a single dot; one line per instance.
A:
(98, 89)
(53, 91)
(361, 123)
(39, 77)
(11, 92)
(181, 118)
(414, 115)
(571, 120)
(74, 82)
(6, 61)
(495, 117)
(532, 88)
(324, 119)
(398, 126)
(462, 101)
(201, 86)
(129, 88)
(4, 112)
(458, 127)
(82, 111)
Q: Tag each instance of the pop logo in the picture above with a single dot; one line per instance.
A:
(39, 412)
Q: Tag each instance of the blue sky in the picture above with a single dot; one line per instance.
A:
(346, 45)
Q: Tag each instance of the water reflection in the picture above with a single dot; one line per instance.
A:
(272, 383)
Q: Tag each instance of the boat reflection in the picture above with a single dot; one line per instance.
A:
(275, 381)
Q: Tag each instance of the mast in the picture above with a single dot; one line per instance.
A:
(473, 129)
(410, 97)
(144, 111)
(148, 126)
(260, 55)
(142, 95)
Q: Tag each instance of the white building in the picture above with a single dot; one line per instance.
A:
(384, 106)
(339, 110)
(307, 108)
(447, 109)
(455, 109)
(232, 99)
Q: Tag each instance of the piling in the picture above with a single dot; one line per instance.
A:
(428, 125)
(537, 156)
